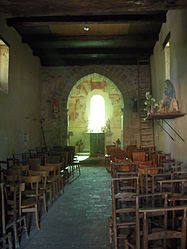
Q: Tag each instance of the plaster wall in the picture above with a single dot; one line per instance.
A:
(57, 82)
(176, 24)
(20, 107)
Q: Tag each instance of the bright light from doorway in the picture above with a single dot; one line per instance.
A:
(97, 114)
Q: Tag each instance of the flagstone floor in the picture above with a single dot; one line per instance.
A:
(79, 217)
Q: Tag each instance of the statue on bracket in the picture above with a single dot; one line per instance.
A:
(169, 102)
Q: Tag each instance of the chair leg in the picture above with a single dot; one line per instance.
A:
(183, 242)
(54, 191)
(56, 188)
(62, 183)
(36, 216)
(51, 197)
(44, 202)
(10, 241)
(16, 240)
(73, 170)
(25, 227)
(126, 244)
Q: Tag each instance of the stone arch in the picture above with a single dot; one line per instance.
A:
(59, 82)
(122, 78)
(78, 105)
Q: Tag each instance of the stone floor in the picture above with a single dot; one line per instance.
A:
(79, 217)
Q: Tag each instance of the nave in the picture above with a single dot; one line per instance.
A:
(79, 217)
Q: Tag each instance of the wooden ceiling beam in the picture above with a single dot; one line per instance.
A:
(89, 61)
(154, 16)
(56, 38)
(141, 43)
(93, 51)
(100, 57)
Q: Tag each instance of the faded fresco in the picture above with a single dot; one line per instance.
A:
(79, 108)
(73, 87)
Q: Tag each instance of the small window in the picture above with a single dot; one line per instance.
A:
(167, 61)
(4, 66)
(166, 47)
(97, 113)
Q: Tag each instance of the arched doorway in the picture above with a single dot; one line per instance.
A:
(96, 95)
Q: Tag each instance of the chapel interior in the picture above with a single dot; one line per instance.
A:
(93, 105)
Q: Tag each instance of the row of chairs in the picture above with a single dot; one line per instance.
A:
(23, 187)
(149, 156)
(156, 215)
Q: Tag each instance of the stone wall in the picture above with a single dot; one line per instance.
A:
(57, 82)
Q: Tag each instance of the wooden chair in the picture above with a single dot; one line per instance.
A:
(6, 226)
(56, 174)
(146, 171)
(49, 185)
(124, 209)
(28, 197)
(53, 178)
(65, 168)
(42, 185)
(9, 211)
(164, 232)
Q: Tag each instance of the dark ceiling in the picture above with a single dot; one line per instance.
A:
(119, 31)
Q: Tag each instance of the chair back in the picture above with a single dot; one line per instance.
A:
(32, 182)
(53, 159)
(53, 167)
(64, 157)
(138, 156)
(42, 173)
(34, 162)
(130, 149)
(19, 170)
(108, 149)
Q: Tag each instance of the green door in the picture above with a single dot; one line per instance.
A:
(97, 144)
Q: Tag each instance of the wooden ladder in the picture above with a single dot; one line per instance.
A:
(144, 85)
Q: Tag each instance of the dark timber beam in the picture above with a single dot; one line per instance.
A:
(46, 61)
(157, 16)
(56, 38)
(100, 57)
(86, 51)
(92, 44)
